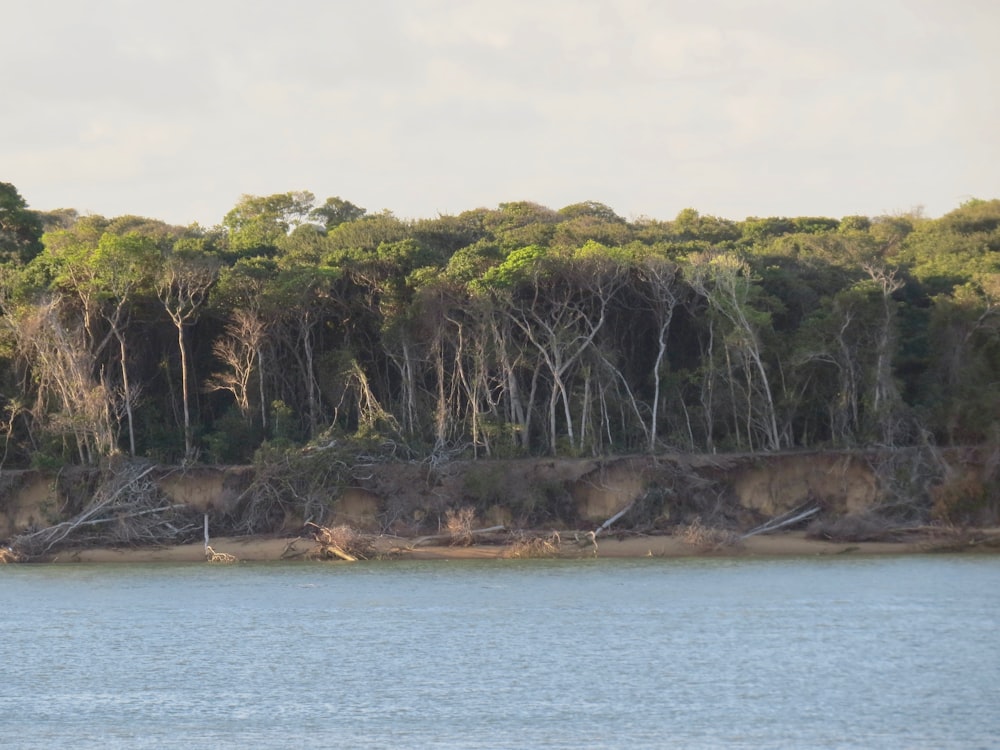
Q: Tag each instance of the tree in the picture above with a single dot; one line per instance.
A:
(261, 222)
(560, 308)
(239, 350)
(122, 268)
(965, 385)
(885, 395)
(20, 228)
(661, 291)
(69, 401)
(725, 281)
(182, 287)
(336, 211)
(240, 297)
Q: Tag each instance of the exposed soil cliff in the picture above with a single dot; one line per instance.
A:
(410, 498)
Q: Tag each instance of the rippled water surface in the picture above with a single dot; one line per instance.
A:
(792, 653)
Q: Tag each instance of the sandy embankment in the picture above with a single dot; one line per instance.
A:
(261, 549)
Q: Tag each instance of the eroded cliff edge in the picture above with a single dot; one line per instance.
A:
(903, 486)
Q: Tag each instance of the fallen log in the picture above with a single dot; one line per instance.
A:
(787, 519)
(607, 524)
(425, 541)
(332, 550)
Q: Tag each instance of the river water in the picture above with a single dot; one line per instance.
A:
(882, 652)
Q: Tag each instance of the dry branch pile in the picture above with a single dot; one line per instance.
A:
(707, 538)
(301, 485)
(125, 509)
(525, 546)
(340, 543)
(459, 524)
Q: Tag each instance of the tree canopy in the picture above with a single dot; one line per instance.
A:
(503, 331)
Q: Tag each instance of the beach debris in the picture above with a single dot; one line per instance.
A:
(524, 546)
(459, 524)
(339, 543)
(607, 524)
(478, 535)
(587, 540)
(779, 522)
(218, 557)
(705, 537)
(126, 508)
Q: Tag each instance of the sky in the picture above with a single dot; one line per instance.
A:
(174, 110)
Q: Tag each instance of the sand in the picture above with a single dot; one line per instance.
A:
(790, 544)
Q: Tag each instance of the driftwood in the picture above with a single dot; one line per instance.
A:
(332, 550)
(211, 555)
(340, 542)
(525, 546)
(587, 540)
(218, 557)
(607, 524)
(779, 522)
(425, 541)
(127, 508)
(289, 552)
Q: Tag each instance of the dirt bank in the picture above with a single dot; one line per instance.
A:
(645, 504)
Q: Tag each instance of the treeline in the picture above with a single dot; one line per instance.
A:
(511, 331)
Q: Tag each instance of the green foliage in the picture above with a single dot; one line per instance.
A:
(259, 222)
(284, 427)
(503, 331)
(336, 211)
(516, 267)
(232, 440)
(20, 228)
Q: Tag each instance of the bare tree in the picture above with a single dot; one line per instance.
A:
(182, 287)
(561, 315)
(69, 399)
(885, 394)
(661, 292)
(724, 280)
(239, 350)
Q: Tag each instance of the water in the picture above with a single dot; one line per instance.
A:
(801, 653)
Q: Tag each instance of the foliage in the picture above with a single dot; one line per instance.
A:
(504, 331)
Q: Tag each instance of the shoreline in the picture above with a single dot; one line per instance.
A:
(299, 549)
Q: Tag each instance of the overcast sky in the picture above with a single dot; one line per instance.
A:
(737, 108)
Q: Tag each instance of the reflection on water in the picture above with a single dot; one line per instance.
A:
(828, 653)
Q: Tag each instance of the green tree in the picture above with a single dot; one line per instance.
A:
(259, 223)
(20, 228)
(336, 211)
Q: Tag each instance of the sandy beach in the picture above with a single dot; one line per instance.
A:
(789, 544)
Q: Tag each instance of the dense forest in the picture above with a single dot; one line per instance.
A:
(510, 331)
